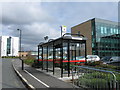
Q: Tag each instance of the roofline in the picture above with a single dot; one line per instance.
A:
(95, 19)
(84, 22)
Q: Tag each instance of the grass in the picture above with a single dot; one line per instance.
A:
(29, 61)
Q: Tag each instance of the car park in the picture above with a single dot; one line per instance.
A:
(89, 58)
(93, 58)
(37, 57)
(111, 60)
(105, 59)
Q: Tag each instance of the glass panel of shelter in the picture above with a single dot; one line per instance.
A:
(59, 56)
(72, 53)
(45, 58)
(39, 56)
(50, 57)
(77, 52)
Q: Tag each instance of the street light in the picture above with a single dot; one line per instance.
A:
(46, 38)
(20, 32)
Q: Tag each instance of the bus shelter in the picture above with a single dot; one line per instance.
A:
(62, 53)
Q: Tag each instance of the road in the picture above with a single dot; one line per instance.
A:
(9, 77)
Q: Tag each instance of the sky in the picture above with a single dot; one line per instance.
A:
(40, 19)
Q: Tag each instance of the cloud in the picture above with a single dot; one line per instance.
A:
(73, 13)
(37, 32)
(33, 34)
(37, 20)
(32, 19)
(23, 13)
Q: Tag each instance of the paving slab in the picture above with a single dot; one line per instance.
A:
(39, 79)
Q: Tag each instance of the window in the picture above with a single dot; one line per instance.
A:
(116, 31)
(92, 32)
(8, 45)
(105, 29)
(92, 44)
(102, 30)
(105, 41)
(111, 30)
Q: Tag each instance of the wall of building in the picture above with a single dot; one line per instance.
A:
(107, 38)
(27, 53)
(14, 47)
(85, 29)
(23, 54)
(3, 45)
(103, 36)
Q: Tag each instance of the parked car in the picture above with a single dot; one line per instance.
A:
(80, 58)
(37, 57)
(50, 57)
(93, 58)
(88, 58)
(105, 59)
(110, 59)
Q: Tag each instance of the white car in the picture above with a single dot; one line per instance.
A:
(93, 58)
(89, 58)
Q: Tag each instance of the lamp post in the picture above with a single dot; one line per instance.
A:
(20, 32)
(46, 38)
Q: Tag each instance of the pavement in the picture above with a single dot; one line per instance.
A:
(37, 79)
(9, 78)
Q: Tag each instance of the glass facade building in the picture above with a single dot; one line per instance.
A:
(103, 36)
(8, 45)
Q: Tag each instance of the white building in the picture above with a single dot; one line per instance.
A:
(9, 46)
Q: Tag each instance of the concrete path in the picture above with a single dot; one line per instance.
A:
(39, 79)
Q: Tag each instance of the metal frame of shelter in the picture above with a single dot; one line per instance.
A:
(63, 50)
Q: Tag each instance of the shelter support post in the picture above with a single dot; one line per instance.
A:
(53, 59)
(47, 59)
(42, 58)
(38, 54)
(85, 53)
(61, 64)
(68, 57)
(75, 57)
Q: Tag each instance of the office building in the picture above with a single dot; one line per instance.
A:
(103, 36)
(27, 53)
(9, 46)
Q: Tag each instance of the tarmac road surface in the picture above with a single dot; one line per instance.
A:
(9, 77)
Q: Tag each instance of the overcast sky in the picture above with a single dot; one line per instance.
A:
(39, 19)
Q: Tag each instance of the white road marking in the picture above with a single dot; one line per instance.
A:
(23, 78)
(37, 79)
